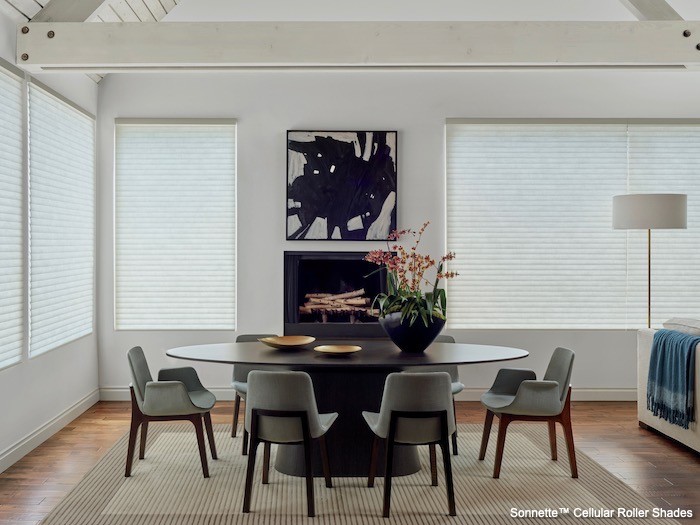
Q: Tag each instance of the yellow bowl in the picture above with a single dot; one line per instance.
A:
(287, 341)
(338, 349)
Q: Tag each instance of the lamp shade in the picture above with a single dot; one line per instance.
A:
(650, 211)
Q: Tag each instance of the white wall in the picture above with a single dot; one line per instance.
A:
(267, 103)
(42, 394)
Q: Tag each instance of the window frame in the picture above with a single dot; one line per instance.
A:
(556, 121)
(25, 80)
(164, 121)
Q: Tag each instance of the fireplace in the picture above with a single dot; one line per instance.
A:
(330, 294)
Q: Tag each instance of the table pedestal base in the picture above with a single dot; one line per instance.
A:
(348, 391)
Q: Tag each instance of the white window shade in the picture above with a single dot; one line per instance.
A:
(175, 260)
(61, 221)
(529, 214)
(666, 159)
(11, 198)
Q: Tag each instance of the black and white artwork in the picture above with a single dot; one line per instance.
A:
(341, 185)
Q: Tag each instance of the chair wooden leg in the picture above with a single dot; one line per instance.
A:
(388, 472)
(447, 460)
(325, 461)
(565, 418)
(374, 456)
(244, 447)
(236, 410)
(144, 435)
(308, 472)
(553, 438)
(502, 428)
(454, 436)
(210, 435)
(433, 465)
(266, 463)
(249, 475)
(136, 420)
(199, 429)
(487, 433)
(132, 445)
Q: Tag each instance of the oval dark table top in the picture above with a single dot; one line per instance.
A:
(374, 353)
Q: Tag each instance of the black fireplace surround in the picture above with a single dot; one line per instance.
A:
(314, 273)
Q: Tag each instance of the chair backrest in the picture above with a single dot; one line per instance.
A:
(560, 366)
(418, 392)
(283, 391)
(240, 372)
(140, 374)
(444, 339)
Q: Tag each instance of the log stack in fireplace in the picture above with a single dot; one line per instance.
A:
(353, 305)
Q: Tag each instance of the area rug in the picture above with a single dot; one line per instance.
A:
(168, 488)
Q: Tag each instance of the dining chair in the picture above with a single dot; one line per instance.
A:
(239, 382)
(457, 385)
(177, 395)
(416, 409)
(517, 395)
(281, 408)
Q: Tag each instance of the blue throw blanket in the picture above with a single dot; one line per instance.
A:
(671, 383)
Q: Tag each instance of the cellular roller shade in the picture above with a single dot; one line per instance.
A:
(61, 221)
(11, 245)
(665, 158)
(175, 264)
(529, 215)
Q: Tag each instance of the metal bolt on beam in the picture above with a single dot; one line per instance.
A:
(25, 56)
(687, 33)
(25, 30)
(50, 34)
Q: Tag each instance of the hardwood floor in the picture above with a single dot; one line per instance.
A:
(661, 470)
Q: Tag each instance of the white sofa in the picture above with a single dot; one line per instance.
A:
(690, 437)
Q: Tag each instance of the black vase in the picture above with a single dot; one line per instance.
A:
(414, 338)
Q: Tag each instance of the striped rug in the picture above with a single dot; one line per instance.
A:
(168, 488)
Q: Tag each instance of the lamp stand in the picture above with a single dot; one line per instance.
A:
(649, 278)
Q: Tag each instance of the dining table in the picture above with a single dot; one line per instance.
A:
(348, 384)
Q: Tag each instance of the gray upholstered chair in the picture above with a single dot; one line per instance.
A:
(517, 395)
(240, 384)
(281, 408)
(453, 370)
(416, 409)
(177, 395)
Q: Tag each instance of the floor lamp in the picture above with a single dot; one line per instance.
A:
(650, 211)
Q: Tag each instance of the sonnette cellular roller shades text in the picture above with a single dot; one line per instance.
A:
(175, 261)
(529, 210)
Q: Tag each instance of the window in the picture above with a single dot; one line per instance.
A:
(175, 239)
(11, 235)
(529, 209)
(61, 222)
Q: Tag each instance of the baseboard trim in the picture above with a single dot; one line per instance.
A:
(468, 394)
(577, 394)
(14, 453)
(122, 393)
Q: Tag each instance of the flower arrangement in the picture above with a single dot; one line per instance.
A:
(406, 278)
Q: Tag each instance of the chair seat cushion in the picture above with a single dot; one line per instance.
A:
(202, 399)
(241, 387)
(496, 402)
(457, 387)
(326, 420)
(372, 419)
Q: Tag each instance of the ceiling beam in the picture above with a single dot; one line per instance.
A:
(194, 45)
(67, 11)
(651, 10)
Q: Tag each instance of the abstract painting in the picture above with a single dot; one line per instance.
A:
(341, 185)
